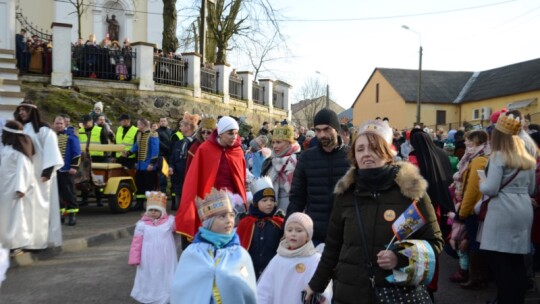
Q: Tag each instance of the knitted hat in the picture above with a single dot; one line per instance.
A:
(379, 127)
(302, 219)
(156, 200)
(225, 124)
(98, 105)
(507, 124)
(284, 132)
(310, 133)
(327, 117)
(214, 203)
(191, 119)
(262, 188)
(208, 123)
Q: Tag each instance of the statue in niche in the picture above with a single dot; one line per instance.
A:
(114, 28)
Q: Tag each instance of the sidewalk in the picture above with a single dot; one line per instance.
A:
(95, 226)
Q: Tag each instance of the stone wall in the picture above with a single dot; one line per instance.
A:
(125, 98)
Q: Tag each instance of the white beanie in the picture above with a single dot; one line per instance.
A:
(225, 124)
(99, 105)
(302, 219)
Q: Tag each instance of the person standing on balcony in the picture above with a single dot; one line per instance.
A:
(46, 228)
(20, 44)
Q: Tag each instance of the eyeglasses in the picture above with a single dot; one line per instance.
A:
(207, 132)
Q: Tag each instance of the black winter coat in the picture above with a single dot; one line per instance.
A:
(312, 190)
(344, 258)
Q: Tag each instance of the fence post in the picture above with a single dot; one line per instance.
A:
(193, 72)
(144, 65)
(268, 85)
(61, 68)
(286, 89)
(224, 70)
(247, 87)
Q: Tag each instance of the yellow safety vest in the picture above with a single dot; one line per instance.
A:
(128, 141)
(95, 138)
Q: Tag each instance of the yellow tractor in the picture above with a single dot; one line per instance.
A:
(115, 182)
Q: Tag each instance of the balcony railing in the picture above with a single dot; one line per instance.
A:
(171, 71)
(236, 85)
(258, 93)
(95, 62)
(209, 80)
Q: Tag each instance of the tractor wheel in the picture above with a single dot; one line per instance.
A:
(121, 201)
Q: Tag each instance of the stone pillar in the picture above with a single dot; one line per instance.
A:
(61, 68)
(193, 72)
(286, 89)
(268, 85)
(144, 65)
(224, 71)
(247, 90)
(7, 24)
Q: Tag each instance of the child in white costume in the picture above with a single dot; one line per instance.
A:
(215, 268)
(290, 270)
(153, 251)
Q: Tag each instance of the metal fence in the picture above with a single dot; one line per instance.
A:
(209, 80)
(171, 71)
(95, 62)
(278, 99)
(236, 85)
(258, 93)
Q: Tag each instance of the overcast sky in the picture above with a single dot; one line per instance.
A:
(347, 39)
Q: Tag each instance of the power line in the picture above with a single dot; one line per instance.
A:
(395, 16)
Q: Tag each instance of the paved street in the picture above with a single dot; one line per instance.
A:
(99, 273)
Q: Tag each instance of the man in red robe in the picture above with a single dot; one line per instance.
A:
(219, 163)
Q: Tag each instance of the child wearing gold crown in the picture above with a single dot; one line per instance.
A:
(214, 268)
(261, 231)
(290, 270)
(153, 251)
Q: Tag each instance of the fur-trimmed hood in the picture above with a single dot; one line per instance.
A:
(408, 178)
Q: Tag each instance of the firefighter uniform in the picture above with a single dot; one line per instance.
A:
(70, 148)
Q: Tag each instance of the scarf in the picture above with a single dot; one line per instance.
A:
(470, 154)
(282, 170)
(219, 240)
(307, 250)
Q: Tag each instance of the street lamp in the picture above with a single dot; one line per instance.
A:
(419, 90)
(327, 89)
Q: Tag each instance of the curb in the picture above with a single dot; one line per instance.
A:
(73, 245)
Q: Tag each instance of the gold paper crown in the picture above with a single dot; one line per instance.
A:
(283, 133)
(191, 119)
(156, 198)
(208, 123)
(507, 124)
(217, 201)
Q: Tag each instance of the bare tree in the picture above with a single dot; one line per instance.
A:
(236, 24)
(312, 98)
(80, 8)
(170, 41)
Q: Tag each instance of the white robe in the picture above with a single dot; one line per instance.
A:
(158, 263)
(17, 175)
(284, 279)
(44, 221)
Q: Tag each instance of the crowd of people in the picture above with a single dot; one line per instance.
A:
(331, 214)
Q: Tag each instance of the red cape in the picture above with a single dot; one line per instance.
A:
(247, 224)
(201, 177)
